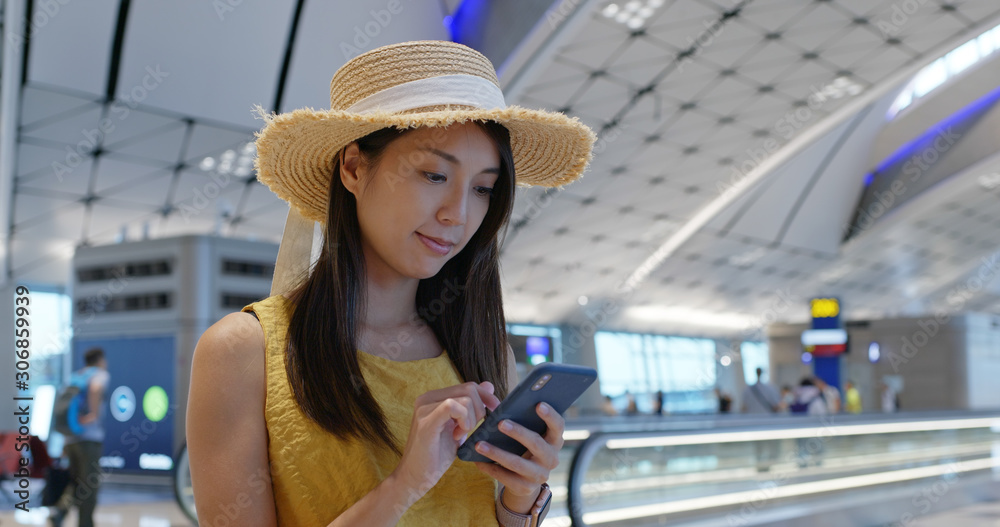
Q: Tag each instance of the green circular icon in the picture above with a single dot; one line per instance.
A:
(155, 403)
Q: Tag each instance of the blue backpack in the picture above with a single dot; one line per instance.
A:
(71, 402)
(802, 407)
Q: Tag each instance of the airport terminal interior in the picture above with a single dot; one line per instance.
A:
(782, 260)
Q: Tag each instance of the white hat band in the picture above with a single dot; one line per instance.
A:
(467, 90)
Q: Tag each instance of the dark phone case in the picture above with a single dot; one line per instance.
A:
(567, 384)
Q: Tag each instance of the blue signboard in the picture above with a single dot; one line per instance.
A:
(140, 399)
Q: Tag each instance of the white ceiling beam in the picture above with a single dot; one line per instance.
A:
(10, 109)
(736, 189)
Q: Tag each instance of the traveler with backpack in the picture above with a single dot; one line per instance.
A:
(79, 416)
(810, 400)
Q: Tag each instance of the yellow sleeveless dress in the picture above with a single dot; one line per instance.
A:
(316, 476)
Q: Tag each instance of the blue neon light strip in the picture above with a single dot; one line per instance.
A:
(464, 23)
(911, 148)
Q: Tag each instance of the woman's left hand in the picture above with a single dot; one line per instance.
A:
(522, 476)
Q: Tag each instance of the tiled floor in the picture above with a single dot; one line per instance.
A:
(141, 506)
(117, 506)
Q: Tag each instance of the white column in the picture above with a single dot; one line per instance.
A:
(10, 110)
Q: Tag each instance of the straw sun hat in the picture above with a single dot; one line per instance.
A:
(422, 83)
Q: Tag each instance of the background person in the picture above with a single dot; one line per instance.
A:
(762, 398)
(809, 400)
(831, 395)
(631, 408)
(725, 401)
(787, 398)
(890, 399)
(608, 407)
(84, 450)
(853, 398)
(658, 402)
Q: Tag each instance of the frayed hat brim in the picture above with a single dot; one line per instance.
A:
(295, 150)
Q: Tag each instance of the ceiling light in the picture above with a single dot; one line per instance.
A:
(233, 161)
(963, 57)
(990, 181)
(841, 87)
(874, 353)
(939, 71)
(748, 258)
(823, 337)
(689, 316)
(930, 78)
(582, 300)
(529, 331)
(633, 14)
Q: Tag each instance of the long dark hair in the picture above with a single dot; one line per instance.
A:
(321, 361)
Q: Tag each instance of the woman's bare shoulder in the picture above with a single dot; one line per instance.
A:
(233, 348)
(226, 430)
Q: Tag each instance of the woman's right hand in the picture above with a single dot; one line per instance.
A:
(442, 419)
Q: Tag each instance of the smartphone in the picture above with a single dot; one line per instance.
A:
(558, 385)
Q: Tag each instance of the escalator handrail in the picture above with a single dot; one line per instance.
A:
(597, 439)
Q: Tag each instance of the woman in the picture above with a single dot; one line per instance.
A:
(341, 399)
